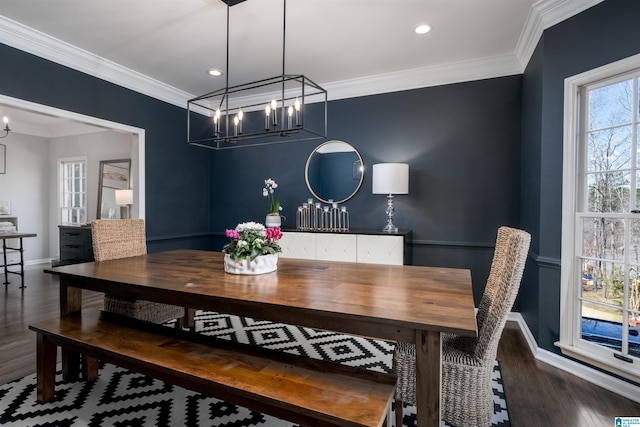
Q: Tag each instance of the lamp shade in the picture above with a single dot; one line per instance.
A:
(124, 197)
(391, 178)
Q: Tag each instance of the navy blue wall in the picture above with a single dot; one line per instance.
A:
(177, 175)
(462, 143)
(482, 154)
(602, 34)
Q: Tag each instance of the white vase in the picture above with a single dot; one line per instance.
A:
(260, 265)
(273, 221)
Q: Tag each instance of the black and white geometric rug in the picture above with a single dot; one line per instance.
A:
(122, 398)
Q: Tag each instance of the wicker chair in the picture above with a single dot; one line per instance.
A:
(467, 362)
(122, 238)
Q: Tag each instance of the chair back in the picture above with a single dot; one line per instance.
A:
(118, 238)
(512, 247)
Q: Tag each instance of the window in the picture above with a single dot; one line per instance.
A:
(73, 192)
(600, 304)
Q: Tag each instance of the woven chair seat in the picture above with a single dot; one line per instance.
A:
(467, 362)
(143, 310)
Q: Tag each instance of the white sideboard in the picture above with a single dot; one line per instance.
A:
(371, 247)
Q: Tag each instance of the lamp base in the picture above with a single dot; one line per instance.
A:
(390, 228)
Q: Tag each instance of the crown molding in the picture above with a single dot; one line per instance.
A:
(40, 44)
(543, 14)
(464, 71)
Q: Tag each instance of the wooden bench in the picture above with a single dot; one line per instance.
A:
(302, 390)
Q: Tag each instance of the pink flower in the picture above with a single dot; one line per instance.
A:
(273, 234)
(233, 234)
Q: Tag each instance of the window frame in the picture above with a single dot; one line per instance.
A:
(570, 341)
(61, 192)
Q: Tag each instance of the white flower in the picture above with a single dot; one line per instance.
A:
(251, 226)
(242, 243)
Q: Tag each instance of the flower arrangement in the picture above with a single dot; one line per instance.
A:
(252, 239)
(268, 191)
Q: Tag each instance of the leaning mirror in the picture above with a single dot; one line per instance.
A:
(114, 175)
(334, 172)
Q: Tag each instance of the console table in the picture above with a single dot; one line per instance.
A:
(20, 249)
(361, 246)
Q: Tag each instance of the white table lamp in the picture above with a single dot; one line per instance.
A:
(124, 198)
(390, 179)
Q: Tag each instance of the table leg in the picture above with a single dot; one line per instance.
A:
(4, 253)
(70, 301)
(46, 353)
(22, 286)
(89, 368)
(428, 377)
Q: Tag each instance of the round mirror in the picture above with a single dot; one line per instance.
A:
(334, 172)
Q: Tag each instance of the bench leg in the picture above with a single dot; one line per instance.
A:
(46, 353)
(89, 368)
(70, 365)
(398, 413)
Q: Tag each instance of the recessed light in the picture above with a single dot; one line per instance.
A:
(422, 29)
(214, 72)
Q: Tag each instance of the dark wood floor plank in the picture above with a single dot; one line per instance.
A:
(537, 394)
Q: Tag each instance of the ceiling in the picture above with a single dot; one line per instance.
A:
(164, 48)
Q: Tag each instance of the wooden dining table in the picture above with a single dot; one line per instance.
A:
(397, 303)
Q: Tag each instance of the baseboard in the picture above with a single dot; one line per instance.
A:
(601, 379)
(38, 262)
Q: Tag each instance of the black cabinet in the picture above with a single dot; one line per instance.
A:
(75, 244)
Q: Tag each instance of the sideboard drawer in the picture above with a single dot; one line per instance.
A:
(366, 247)
(75, 244)
(380, 249)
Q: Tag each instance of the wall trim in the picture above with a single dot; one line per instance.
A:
(601, 379)
(179, 237)
(543, 14)
(446, 243)
(137, 139)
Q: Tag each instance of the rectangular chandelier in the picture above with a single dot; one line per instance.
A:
(279, 109)
(275, 110)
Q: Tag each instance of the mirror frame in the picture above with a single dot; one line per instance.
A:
(104, 163)
(306, 172)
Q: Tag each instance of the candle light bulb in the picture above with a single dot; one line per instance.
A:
(274, 107)
(290, 119)
(5, 119)
(267, 112)
(296, 104)
(216, 122)
(239, 117)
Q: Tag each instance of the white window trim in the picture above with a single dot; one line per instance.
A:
(86, 171)
(569, 305)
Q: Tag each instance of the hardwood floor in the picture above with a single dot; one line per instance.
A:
(40, 300)
(537, 394)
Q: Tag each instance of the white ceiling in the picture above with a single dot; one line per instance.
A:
(163, 48)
